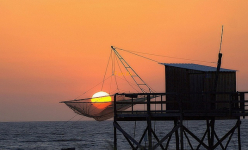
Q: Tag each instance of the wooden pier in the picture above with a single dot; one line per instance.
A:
(156, 109)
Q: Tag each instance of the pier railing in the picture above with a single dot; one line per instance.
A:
(222, 105)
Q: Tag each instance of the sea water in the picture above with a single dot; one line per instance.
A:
(93, 135)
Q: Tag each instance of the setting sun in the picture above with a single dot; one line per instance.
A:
(101, 99)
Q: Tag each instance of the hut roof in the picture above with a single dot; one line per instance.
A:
(196, 67)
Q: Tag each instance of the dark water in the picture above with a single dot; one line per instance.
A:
(93, 135)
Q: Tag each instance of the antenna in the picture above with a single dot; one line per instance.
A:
(219, 57)
(220, 54)
(221, 38)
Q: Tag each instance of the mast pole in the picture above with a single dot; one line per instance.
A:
(219, 62)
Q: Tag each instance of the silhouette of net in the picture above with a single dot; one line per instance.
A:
(91, 109)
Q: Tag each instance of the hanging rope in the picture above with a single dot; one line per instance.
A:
(93, 87)
(106, 70)
(130, 84)
(113, 69)
(132, 72)
(115, 59)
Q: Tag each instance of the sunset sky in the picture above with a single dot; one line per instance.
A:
(55, 50)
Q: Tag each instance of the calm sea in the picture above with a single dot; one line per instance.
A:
(93, 135)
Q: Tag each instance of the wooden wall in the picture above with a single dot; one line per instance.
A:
(184, 81)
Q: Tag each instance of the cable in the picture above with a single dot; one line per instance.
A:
(139, 55)
(133, 52)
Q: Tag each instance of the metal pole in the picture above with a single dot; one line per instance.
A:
(181, 124)
(161, 104)
(115, 134)
(242, 103)
(132, 105)
(115, 139)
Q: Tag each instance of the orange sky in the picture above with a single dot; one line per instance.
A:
(56, 50)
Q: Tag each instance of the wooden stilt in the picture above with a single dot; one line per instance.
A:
(176, 135)
(181, 134)
(168, 142)
(115, 139)
(209, 135)
(212, 125)
(239, 138)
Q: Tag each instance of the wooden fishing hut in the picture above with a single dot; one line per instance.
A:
(193, 92)
(195, 83)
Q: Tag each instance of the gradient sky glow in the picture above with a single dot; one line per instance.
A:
(51, 51)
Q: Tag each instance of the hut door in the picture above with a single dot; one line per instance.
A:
(196, 88)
